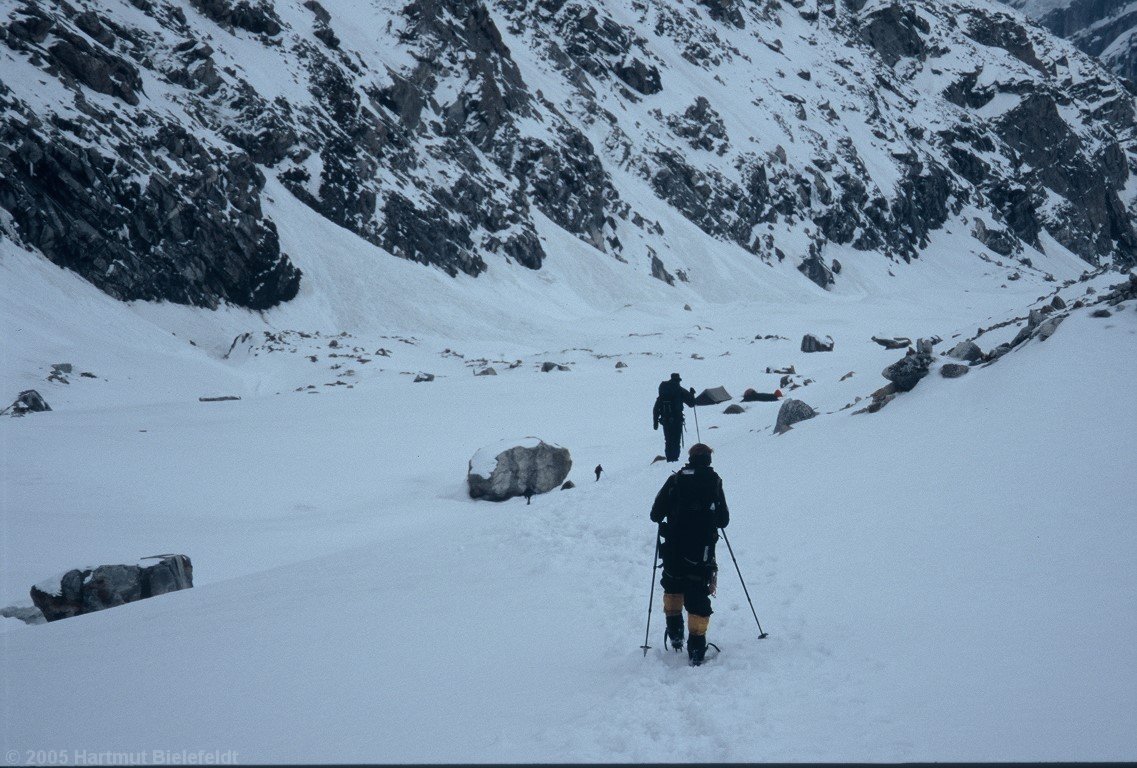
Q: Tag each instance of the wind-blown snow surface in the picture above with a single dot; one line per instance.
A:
(949, 579)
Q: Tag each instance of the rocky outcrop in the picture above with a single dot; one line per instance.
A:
(134, 153)
(160, 217)
(966, 350)
(906, 372)
(1103, 28)
(517, 468)
(84, 590)
(28, 401)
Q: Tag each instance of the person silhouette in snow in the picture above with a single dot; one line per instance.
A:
(668, 411)
(690, 508)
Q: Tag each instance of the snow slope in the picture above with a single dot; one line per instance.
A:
(949, 579)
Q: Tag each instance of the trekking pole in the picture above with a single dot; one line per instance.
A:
(651, 599)
(695, 410)
(761, 635)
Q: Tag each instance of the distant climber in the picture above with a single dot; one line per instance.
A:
(668, 411)
(690, 508)
(598, 470)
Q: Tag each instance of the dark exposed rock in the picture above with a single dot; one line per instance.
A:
(659, 272)
(96, 68)
(899, 342)
(701, 126)
(791, 412)
(256, 16)
(894, 32)
(86, 590)
(28, 401)
(966, 350)
(643, 77)
(197, 237)
(1101, 28)
(906, 372)
(725, 12)
(448, 160)
(813, 343)
(1000, 241)
(815, 269)
(954, 370)
(1000, 30)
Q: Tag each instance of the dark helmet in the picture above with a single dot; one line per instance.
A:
(675, 377)
(699, 449)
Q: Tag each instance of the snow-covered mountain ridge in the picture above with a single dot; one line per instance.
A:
(1103, 28)
(139, 136)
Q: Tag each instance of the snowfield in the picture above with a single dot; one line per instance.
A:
(952, 578)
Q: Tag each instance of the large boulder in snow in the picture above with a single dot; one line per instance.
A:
(906, 372)
(966, 350)
(814, 343)
(85, 590)
(517, 468)
(791, 412)
(28, 401)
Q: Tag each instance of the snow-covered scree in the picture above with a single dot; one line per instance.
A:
(948, 579)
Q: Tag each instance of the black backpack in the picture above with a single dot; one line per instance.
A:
(664, 409)
(691, 531)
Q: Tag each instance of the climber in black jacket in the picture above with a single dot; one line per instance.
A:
(668, 411)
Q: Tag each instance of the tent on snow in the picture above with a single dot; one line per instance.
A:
(712, 396)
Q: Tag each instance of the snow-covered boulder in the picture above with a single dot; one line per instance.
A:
(1047, 327)
(85, 590)
(890, 342)
(791, 412)
(514, 467)
(966, 350)
(28, 401)
(813, 343)
(28, 614)
(906, 372)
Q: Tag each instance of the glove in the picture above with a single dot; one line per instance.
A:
(655, 425)
(692, 391)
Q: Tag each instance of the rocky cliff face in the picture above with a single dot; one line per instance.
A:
(1103, 28)
(137, 136)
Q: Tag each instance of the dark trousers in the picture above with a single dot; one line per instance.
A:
(696, 591)
(672, 438)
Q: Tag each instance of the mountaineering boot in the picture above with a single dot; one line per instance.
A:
(697, 644)
(675, 631)
(696, 649)
(673, 612)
